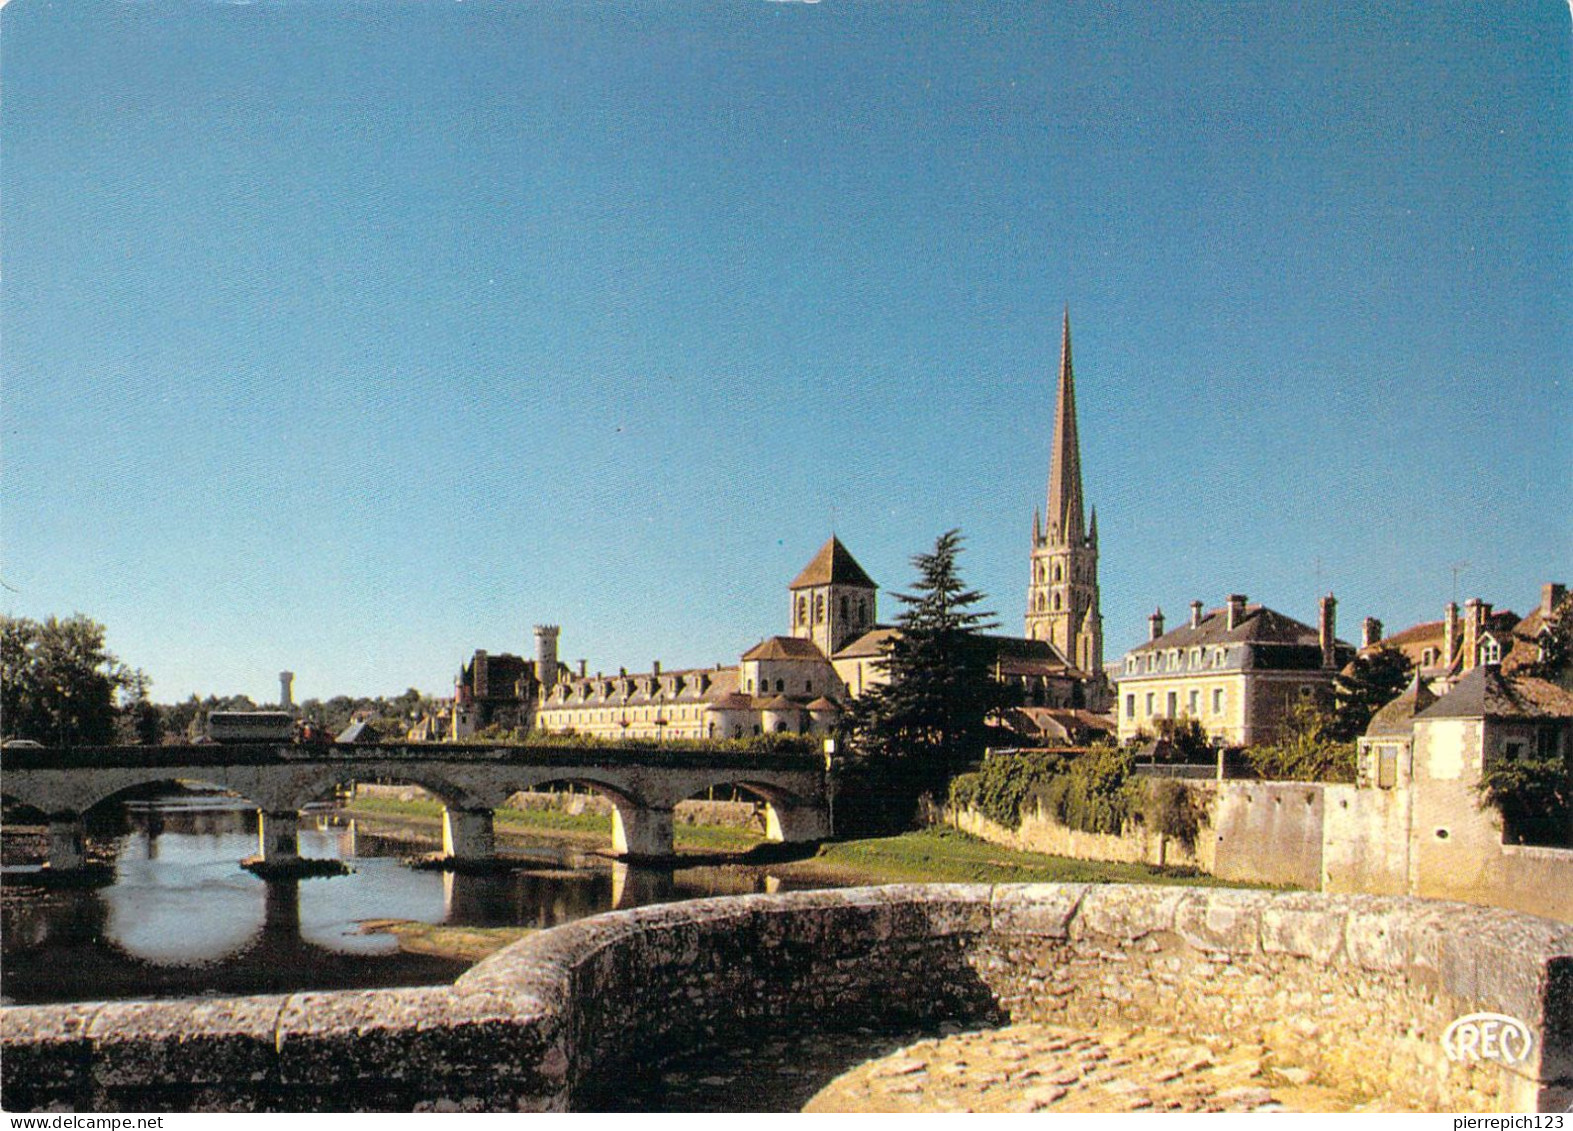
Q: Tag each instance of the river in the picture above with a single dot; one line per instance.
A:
(181, 917)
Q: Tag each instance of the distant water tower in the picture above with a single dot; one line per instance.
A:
(286, 690)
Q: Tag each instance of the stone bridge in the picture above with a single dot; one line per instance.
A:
(643, 784)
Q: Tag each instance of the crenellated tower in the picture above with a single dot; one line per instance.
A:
(1062, 598)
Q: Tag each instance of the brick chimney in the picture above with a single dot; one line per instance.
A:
(1551, 594)
(1326, 622)
(1196, 614)
(1370, 632)
(1236, 611)
(584, 667)
(655, 667)
(1155, 624)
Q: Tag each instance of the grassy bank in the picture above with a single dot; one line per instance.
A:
(943, 855)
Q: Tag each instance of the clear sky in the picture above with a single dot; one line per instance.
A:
(351, 337)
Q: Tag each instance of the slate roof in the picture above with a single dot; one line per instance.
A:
(1258, 625)
(833, 565)
(784, 648)
(1486, 693)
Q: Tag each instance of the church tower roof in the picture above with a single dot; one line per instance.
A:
(1065, 513)
(833, 565)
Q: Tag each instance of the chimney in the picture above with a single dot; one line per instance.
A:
(286, 690)
(1236, 611)
(1327, 619)
(1551, 595)
(1155, 624)
(1370, 632)
(655, 667)
(1476, 612)
(481, 682)
(1450, 635)
(584, 667)
(1196, 614)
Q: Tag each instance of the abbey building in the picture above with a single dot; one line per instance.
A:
(802, 681)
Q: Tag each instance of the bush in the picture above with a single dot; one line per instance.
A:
(1308, 750)
(1002, 788)
(1534, 795)
(1095, 792)
(1173, 809)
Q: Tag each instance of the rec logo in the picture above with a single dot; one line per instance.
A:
(1488, 1036)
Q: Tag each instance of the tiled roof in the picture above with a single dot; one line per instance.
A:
(784, 648)
(1486, 692)
(1396, 717)
(871, 643)
(780, 703)
(833, 565)
(824, 704)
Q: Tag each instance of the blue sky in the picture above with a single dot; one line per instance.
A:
(349, 338)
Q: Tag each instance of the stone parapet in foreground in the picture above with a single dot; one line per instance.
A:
(1361, 988)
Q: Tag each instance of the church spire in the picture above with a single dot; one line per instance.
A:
(1065, 515)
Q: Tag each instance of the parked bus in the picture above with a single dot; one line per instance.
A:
(251, 726)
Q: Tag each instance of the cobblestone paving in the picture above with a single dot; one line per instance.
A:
(1027, 1068)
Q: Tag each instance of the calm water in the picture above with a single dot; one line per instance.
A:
(182, 917)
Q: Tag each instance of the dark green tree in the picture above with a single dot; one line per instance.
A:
(58, 681)
(141, 723)
(1364, 688)
(929, 721)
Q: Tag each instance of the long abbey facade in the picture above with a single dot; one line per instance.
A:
(803, 680)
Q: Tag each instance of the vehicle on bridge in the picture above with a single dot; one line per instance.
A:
(251, 726)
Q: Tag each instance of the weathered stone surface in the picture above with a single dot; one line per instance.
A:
(1355, 989)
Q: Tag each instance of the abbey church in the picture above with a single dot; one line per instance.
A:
(801, 681)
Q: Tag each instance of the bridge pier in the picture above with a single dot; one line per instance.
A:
(795, 825)
(633, 886)
(467, 834)
(278, 837)
(645, 832)
(67, 843)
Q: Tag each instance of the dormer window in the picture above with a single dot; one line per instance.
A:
(1490, 651)
(1196, 657)
(1428, 657)
(1218, 657)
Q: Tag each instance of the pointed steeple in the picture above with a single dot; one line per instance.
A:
(1092, 529)
(1065, 515)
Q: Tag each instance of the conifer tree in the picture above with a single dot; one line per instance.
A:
(928, 722)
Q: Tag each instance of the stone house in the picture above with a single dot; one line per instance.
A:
(1238, 670)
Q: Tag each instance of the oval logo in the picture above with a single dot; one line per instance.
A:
(1488, 1036)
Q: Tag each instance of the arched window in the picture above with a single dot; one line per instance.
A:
(844, 608)
(802, 610)
(1058, 574)
(819, 608)
(1056, 598)
(1490, 651)
(780, 685)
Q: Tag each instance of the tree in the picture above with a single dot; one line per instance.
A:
(1308, 750)
(1364, 688)
(140, 723)
(929, 721)
(58, 681)
(1534, 795)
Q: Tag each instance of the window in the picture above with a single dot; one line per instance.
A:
(1217, 700)
(1218, 655)
(1195, 706)
(1174, 659)
(1130, 706)
(819, 608)
(780, 685)
(1305, 690)
(802, 610)
(1490, 651)
(1172, 704)
(844, 614)
(1058, 575)
(1149, 704)
(1387, 767)
(1196, 657)
(863, 611)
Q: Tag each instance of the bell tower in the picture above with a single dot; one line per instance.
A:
(1062, 595)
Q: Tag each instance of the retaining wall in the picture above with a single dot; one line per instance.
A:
(1359, 987)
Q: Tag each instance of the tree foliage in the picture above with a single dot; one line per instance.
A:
(1364, 688)
(929, 721)
(1534, 795)
(1183, 740)
(58, 682)
(1307, 750)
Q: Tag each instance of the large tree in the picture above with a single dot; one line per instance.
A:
(928, 722)
(1364, 688)
(58, 682)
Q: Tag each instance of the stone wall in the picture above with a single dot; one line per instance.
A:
(735, 814)
(1268, 833)
(1359, 987)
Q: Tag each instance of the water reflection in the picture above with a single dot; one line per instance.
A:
(182, 917)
